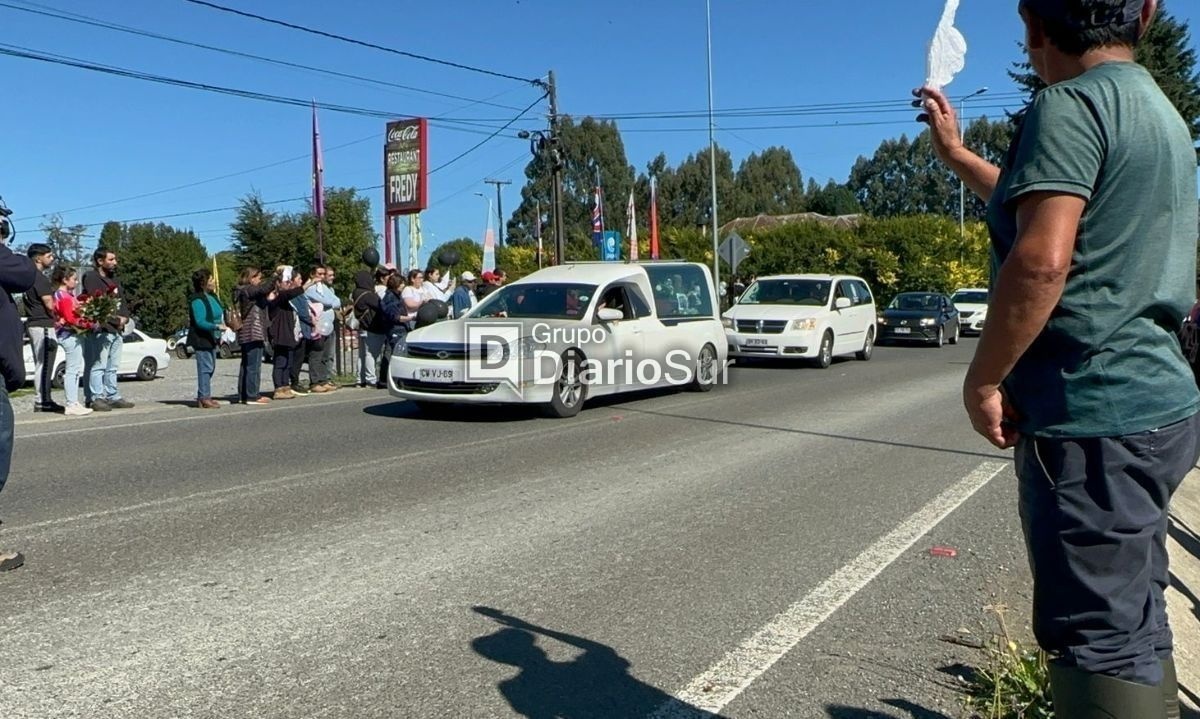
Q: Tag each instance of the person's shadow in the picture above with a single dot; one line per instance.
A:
(595, 685)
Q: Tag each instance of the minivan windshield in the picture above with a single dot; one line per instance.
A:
(554, 301)
(811, 293)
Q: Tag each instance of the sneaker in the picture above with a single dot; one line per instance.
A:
(49, 407)
(119, 403)
(11, 560)
(299, 391)
(77, 410)
(100, 405)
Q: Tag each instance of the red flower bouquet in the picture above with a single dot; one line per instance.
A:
(98, 307)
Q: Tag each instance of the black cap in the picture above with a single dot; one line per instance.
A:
(1087, 14)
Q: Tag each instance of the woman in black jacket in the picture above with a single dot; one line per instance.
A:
(252, 297)
(281, 329)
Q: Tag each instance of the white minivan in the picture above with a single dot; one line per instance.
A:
(816, 317)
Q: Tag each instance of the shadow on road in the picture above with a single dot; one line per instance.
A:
(825, 435)
(595, 685)
(912, 711)
(1185, 535)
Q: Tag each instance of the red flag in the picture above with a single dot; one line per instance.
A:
(653, 218)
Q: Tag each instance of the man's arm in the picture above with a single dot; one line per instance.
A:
(1028, 288)
(16, 272)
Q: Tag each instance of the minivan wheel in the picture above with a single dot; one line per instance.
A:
(825, 352)
(868, 347)
(706, 369)
(570, 391)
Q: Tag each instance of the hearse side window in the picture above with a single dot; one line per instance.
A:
(680, 291)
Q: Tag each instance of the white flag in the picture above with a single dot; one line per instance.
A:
(947, 50)
(632, 220)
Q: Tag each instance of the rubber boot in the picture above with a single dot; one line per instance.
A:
(1082, 695)
(1170, 689)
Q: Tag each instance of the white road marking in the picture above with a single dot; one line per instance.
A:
(713, 690)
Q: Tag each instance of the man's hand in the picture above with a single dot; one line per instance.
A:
(990, 413)
(938, 112)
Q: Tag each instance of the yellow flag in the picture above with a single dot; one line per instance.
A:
(216, 276)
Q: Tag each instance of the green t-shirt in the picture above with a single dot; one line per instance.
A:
(1109, 362)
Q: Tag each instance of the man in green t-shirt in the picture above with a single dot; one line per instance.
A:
(1093, 225)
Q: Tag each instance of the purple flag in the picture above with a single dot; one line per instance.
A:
(318, 180)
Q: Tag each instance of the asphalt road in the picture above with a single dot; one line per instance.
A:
(758, 551)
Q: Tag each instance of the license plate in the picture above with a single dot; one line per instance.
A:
(756, 343)
(436, 375)
(903, 330)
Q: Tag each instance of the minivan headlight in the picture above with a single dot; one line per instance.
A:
(806, 324)
(727, 322)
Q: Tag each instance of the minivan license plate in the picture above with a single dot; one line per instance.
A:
(436, 375)
(756, 343)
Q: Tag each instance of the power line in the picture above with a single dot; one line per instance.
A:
(29, 54)
(343, 38)
(487, 139)
(198, 182)
(95, 22)
(443, 166)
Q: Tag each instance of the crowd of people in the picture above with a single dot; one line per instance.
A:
(92, 349)
(298, 317)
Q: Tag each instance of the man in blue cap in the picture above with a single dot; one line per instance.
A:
(1093, 226)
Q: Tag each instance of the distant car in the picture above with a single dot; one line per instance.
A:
(142, 358)
(972, 304)
(816, 317)
(928, 317)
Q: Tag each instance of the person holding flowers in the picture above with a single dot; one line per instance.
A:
(68, 330)
(102, 348)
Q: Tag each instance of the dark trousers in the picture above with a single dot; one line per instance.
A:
(1094, 512)
(282, 362)
(6, 435)
(250, 373)
(309, 351)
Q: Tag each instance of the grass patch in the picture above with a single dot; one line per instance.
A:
(23, 392)
(1014, 683)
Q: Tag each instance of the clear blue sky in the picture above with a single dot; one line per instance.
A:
(74, 138)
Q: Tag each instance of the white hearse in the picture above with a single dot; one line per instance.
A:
(566, 333)
(816, 317)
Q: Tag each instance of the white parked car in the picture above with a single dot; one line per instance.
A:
(816, 317)
(142, 357)
(567, 333)
(972, 304)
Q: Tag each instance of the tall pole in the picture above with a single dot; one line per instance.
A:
(555, 154)
(537, 230)
(712, 150)
(499, 210)
(962, 186)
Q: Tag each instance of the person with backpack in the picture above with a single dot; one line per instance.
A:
(204, 331)
(251, 301)
(373, 327)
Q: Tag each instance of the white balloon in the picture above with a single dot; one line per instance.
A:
(947, 51)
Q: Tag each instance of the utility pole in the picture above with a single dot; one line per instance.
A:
(712, 151)
(499, 209)
(556, 169)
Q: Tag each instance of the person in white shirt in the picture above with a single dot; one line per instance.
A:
(414, 295)
(435, 287)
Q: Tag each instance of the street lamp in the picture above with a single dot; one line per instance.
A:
(540, 142)
(962, 186)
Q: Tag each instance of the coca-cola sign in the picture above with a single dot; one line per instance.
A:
(405, 166)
